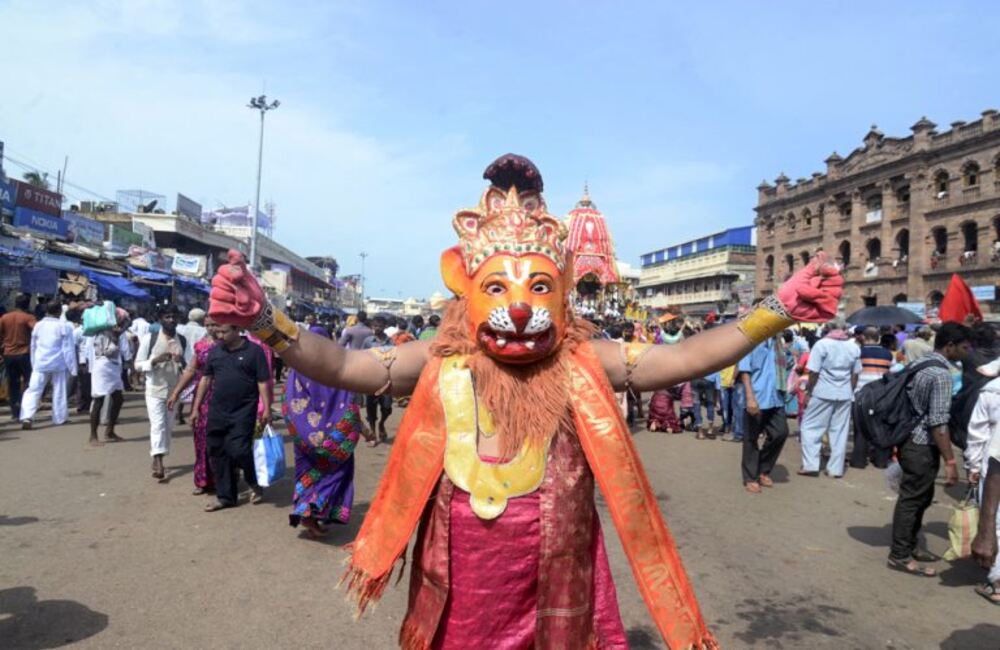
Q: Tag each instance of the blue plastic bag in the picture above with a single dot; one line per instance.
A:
(99, 318)
(269, 457)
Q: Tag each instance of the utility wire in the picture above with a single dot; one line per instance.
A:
(27, 166)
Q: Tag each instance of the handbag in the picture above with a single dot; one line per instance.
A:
(962, 526)
(269, 457)
(99, 318)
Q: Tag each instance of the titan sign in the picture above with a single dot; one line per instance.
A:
(36, 198)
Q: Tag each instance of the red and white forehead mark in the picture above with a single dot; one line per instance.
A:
(518, 270)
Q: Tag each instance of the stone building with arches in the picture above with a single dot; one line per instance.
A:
(899, 214)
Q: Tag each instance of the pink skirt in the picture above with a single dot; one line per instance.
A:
(502, 557)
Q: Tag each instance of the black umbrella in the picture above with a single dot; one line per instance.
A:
(879, 316)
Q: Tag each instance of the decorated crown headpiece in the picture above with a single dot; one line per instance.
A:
(511, 217)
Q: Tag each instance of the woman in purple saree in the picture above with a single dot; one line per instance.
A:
(326, 424)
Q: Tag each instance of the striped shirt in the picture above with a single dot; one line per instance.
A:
(875, 360)
(930, 394)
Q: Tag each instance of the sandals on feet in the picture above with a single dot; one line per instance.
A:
(765, 480)
(256, 496)
(989, 592)
(752, 487)
(215, 506)
(915, 569)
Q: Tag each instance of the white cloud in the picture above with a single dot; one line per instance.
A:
(101, 84)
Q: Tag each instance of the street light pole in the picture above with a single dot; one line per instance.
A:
(363, 255)
(259, 104)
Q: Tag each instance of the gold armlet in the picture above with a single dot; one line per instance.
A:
(767, 319)
(275, 328)
(631, 354)
(386, 356)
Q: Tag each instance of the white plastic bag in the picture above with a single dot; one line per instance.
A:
(269, 457)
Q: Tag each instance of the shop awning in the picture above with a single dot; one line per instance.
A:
(155, 276)
(191, 283)
(114, 286)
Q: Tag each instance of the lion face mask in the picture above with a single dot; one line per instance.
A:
(510, 266)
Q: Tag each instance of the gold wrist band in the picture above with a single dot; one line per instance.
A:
(275, 328)
(767, 319)
(386, 356)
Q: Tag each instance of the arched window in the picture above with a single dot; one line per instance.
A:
(769, 267)
(898, 298)
(791, 222)
(903, 244)
(790, 262)
(940, 236)
(807, 218)
(874, 248)
(941, 184)
(845, 253)
(804, 256)
(934, 298)
(970, 174)
(873, 208)
(970, 237)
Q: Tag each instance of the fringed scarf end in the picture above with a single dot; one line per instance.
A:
(410, 637)
(363, 588)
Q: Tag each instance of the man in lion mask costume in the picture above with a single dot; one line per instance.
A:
(512, 421)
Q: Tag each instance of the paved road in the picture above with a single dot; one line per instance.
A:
(97, 554)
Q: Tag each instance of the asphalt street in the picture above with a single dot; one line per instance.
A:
(97, 554)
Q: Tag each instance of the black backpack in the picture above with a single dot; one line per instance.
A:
(883, 411)
(962, 405)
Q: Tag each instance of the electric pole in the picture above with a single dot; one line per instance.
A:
(258, 104)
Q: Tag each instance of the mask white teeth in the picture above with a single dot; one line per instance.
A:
(501, 343)
(530, 345)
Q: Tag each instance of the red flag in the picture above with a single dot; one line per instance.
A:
(958, 302)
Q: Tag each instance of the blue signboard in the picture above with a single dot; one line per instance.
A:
(56, 261)
(987, 293)
(41, 224)
(84, 231)
(7, 195)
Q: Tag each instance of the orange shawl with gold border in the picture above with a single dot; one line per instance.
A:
(416, 463)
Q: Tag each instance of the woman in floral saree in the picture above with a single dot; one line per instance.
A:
(326, 424)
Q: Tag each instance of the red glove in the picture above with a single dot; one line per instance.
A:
(813, 293)
(236, 298)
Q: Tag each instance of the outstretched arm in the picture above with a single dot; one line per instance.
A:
(237, 299)
(325, 361)
(811, 295)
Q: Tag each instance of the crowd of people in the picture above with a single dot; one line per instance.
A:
(806, 375)
(811, 376)
(224, 376)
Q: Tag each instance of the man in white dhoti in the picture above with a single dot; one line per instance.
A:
(106, 353)
(53, 359)
(161, 358)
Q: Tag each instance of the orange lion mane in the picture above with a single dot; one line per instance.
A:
(527, 402)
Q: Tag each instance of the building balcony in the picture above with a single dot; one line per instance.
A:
(662, 301)
(968, 259)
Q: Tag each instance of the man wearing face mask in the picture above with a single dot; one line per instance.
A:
(161, 359)
(512, 425)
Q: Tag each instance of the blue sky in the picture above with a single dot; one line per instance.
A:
(674, 112)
